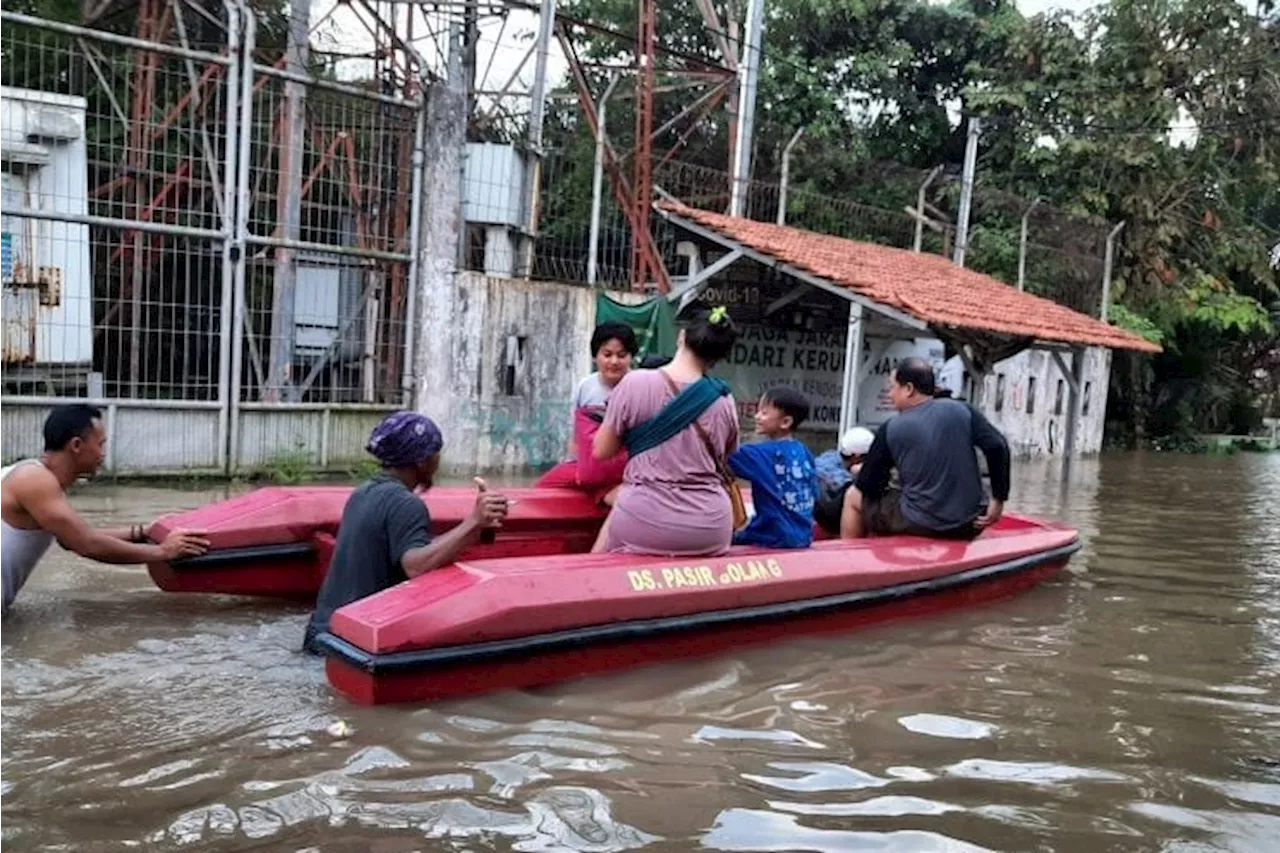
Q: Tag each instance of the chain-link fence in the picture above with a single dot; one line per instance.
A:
(215, 249)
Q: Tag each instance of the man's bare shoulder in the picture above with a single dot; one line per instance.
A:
(31, 478)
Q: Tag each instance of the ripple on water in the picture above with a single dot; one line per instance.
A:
(941, 725)
(817, 776)
(757, 830)
(1129, 706)
(1030, 772)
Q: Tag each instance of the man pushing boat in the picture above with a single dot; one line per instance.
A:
(385, 534)
(36, 511)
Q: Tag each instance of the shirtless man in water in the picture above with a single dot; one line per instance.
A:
(34, 509)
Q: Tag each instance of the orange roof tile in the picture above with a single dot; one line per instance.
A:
(925, 286)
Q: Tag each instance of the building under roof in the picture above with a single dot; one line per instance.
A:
(908, 293)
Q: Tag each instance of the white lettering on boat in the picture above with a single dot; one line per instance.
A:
(702, 577)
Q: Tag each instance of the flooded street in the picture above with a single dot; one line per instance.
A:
(1132, 704)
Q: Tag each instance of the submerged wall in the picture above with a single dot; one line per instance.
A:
(1026, 397)
(516, 349)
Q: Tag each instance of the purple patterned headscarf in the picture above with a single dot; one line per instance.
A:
(404, 439)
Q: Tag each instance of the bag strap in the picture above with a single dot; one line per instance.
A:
(717, 458)
(675, 416)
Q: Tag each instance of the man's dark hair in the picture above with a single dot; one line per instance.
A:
(790, 402)
(918, 373)
(610, 331)
(711, 334)
(67, 422)
(653, 362)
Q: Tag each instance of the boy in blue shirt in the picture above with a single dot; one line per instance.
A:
(781, 472)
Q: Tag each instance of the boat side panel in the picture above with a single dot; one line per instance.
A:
(563, 664)
(540, 595)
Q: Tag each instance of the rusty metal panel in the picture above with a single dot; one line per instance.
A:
(21, 299)
(20, 307)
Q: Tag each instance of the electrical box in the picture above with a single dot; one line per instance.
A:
(45, 268)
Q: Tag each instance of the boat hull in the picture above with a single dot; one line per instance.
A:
(438, 637)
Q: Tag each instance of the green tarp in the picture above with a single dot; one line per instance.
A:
(653, 320)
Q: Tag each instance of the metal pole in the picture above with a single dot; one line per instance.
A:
(597, 181)
(966, 191)
(538, 91)
(415, 238)
(852, 355)
(227, 304)
(537, 113)
(289, 210)
(919, 239)
(1106, 272)
(785, 180)
(1022, 246)
(642, 270)
(241, 229)
(748, 73)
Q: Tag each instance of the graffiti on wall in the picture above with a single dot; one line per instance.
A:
(520, 432)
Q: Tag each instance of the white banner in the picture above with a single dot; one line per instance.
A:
(813, 363)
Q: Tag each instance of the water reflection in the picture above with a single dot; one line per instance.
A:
(1130, 705)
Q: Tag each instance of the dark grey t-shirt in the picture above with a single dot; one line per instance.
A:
(381, 521)
(932, 445)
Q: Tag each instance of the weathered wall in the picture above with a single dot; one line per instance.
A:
(1027, 398)
(517, 349)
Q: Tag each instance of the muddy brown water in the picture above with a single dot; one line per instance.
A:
(1133, 704)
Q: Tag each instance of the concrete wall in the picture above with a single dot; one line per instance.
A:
(517, 350)
(1032, 380)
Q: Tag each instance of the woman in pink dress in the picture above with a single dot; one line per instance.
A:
(673, 501)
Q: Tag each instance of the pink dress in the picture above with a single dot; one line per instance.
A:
(672, 501)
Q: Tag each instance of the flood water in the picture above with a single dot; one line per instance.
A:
(1133, 704)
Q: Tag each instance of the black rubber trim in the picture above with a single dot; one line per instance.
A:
(246, 556)
(335, 646)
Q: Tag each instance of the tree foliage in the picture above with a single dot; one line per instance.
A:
(1163, 114)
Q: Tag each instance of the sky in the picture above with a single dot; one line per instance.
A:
(502, 47)
(503, 50)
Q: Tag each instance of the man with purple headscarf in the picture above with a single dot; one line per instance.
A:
(385, 535)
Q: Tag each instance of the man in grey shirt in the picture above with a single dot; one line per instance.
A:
(385, 534)
(931, 443)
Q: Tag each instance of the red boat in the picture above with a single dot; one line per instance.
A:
(533, 608)
(278, 541)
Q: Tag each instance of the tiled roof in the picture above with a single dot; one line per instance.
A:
(925, 286)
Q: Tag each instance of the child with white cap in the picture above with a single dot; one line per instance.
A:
(836, 470)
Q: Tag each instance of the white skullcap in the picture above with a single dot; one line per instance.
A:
(856, 442)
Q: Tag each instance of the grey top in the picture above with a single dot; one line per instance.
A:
(591, 392)
(20, 550)
(382, 520)
(932, 445)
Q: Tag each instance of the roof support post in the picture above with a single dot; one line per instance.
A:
(852, 356)
(1075, 379)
